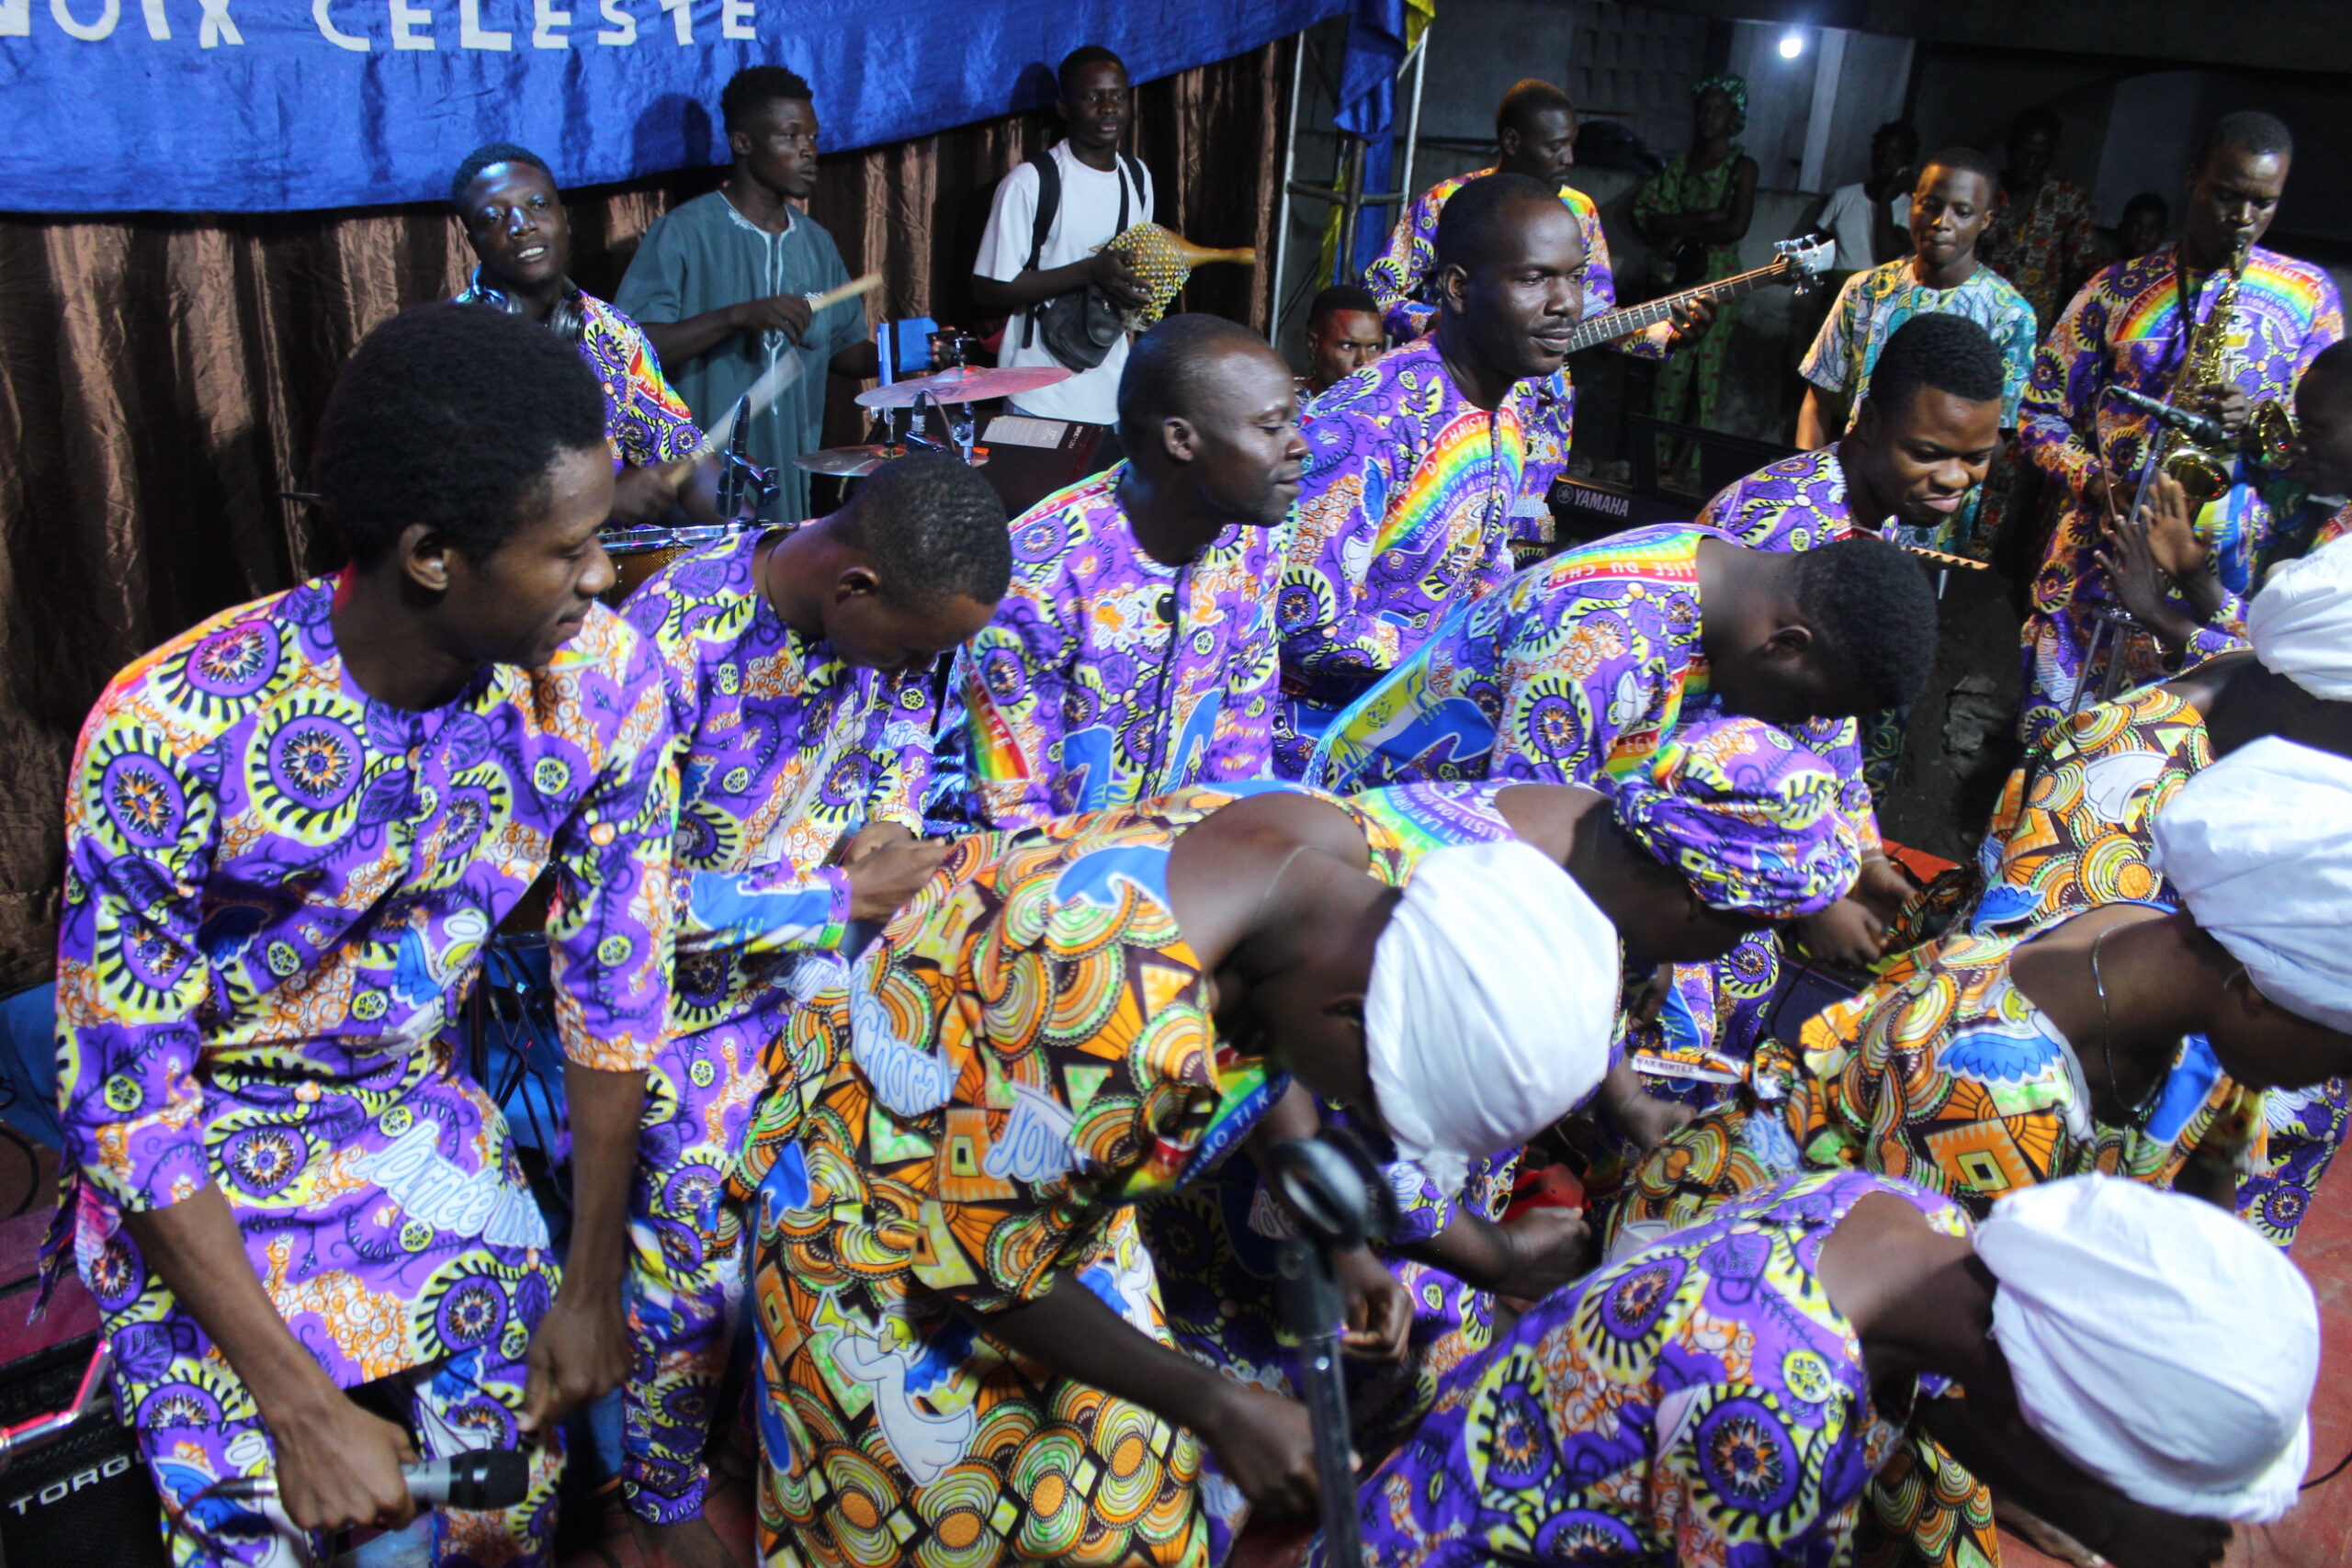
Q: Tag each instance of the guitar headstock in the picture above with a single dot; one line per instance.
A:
(1804, 261)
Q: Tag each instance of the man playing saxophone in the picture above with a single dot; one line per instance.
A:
(2192, 324)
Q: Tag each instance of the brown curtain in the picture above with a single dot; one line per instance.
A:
(160, 378)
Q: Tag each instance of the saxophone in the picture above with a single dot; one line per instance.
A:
(2203, 474)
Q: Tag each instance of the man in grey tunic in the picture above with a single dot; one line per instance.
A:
(721, 284)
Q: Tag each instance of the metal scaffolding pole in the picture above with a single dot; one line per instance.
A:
(1346, 190)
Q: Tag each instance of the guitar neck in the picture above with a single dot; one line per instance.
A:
(1613, 324)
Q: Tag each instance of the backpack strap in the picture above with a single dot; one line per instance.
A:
(1049, 202)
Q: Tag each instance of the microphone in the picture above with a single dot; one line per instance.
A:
(483, 1479)
(2203, 429)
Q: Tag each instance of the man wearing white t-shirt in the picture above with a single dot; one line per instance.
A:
(1098, 187)
(1871, 220)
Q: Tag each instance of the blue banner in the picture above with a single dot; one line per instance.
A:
(246, 106)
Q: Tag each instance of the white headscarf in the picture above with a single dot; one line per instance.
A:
(2259, 847)
(1494, 991)
(2301, 624)
(2157, 1341)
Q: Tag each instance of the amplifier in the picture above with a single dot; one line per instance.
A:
(84, 1498)
(1029, 458)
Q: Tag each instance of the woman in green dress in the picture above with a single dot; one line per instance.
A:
(1694, 212)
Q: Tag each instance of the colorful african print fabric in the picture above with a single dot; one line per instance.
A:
(1399, 277)
(1214, 1244)
(1108, 677)
(278, 892)
(1404, 514)
(1577, 670)
(1575, 673)
(2043, 247)
(2071, 829)
(1749, 818)
(1025, 1053)
(1797, 503)
(646, 421)
(1870, 308)
(1689, 382)
(1398, 280)
(2071, 833)
(1700, 1403)
(1944, 1074)
(784, 753)
(2125, 329)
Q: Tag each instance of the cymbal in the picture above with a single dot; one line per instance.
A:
(856, 462)
(965, 383)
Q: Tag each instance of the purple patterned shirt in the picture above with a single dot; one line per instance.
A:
(1406, 513)
(645, 420)
(1797, 503)
(1397, 279)
(784, 753)
(1699, 1402)
(277, 893)
(1108, 677)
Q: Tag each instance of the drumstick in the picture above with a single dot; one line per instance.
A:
(764, 391)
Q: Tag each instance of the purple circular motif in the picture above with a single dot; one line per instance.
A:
(471, 1313)
(1040, 539)
(262, 1160)
(151, 961)
(849, 783)
(235, 661)
(1582, 1535)
(1003, 674)
(178, 1405)
(1635, 1304)
(314, 761)
(1518, 1450)
(1746, 1458)
(143, 801)
(1553, 727)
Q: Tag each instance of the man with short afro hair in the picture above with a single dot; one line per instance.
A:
(801, 665)
(723, 283)
(1343, 335)
(1135, 653)
(1419, 460)
(1046, 241)
(1954, 200)
(1577, 669)
(1535, 131)
(505, 198)
(290, 832)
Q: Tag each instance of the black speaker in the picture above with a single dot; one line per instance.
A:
(86, 1497)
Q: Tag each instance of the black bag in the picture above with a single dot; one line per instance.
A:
(1079, 327)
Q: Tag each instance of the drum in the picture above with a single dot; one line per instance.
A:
(638, 553)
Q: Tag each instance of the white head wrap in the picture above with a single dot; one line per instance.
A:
(2157, 1341)
(1494, 991)
(2301, 624)
(2259, 847)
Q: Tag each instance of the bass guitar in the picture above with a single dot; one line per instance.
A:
(1797, 263)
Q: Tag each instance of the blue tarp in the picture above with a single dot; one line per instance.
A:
(243, 105)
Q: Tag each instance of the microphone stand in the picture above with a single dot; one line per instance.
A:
(1336, 1200)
